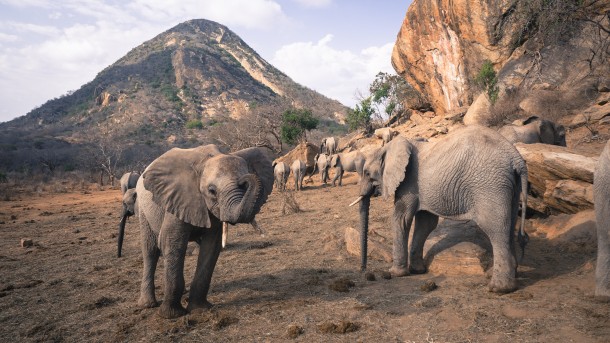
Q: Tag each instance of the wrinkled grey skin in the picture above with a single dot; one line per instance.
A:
(322, 165)
(471, 174)
(385, 134)
(298, 169)
(601, 195)
(185, 195)
(128, 181)
(129, 209)
(535, 130)
(329, 145)
(348, 161)
(281, 171)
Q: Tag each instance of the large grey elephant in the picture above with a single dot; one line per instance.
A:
(298, 169)
(352, 161)
(471, 174)
(601, 196)
(128, 181)
(185, 195)
(535, 130)
(385, 134)
(329, 145)
(322, 165)
(281, 172)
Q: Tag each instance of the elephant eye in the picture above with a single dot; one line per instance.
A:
(212, 190)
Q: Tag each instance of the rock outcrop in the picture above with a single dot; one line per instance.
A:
(560, 180)
(442, 45)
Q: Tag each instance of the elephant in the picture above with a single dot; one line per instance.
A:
(281, 171)
(128, 181)
(185, 195)
(322, 164)
(601, 196)
(385, 134)
(298, 168)
(329, 145)
(472, 173)
(129, 209)
(535, 130)
(349, 161)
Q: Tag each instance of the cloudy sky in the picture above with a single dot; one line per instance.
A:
(49, 47)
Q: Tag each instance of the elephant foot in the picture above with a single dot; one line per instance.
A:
(171, 311)
(199, 306)
(147, 303)
(399, 271)
(602, 293)
(418, 268)
(505, 286)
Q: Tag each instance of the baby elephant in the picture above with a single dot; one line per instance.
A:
(535, 130)
(601, 195)
(385, 134)
(298, 172)
(281, 171)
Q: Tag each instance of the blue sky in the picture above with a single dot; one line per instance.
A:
(49, 47)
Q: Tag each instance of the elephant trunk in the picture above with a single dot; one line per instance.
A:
(364, 229)
(245, 201)
(121, 232)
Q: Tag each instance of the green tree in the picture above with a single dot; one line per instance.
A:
(296, 123)
(488, 80)
(360, 116)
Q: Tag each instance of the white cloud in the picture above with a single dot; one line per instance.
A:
(314, 3)
(45, 30)
(338, 74)
(5, 37)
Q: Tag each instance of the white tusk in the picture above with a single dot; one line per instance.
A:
(356, 201)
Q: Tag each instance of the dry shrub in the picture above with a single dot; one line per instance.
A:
(289, 203)
(506, 109)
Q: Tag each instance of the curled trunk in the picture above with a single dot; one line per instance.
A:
(245, 201)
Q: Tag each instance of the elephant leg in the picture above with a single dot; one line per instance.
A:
(500, 233)
(174, 238)
(209, 249)
(341, 178)
(337, 176)
(425, 222)
(401, 224)
(150, 254)
(602, 269)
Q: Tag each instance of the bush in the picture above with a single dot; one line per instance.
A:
(360, 116)
(194, 124)
(296, 123)
(488, 80)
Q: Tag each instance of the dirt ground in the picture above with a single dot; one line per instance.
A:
(295, 283)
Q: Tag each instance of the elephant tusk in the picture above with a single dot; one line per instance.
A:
(356, 201)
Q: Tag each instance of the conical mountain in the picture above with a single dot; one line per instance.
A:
(197, 71)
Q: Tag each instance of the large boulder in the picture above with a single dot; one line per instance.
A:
(305, 152)
(560, 179)
(479, 112)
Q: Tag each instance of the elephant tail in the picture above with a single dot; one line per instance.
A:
(522, 236)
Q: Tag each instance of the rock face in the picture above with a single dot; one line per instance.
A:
(305, 152)
(442, 45)
(560, 180)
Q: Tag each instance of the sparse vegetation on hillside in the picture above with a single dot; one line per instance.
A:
(487, 79)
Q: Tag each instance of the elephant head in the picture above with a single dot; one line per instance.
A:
(193, 184)
(551, 133)
(384, 170)
(129, 209)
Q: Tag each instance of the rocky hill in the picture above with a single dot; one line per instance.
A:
(168, 91)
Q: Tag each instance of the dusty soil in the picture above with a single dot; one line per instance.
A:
(295, 283)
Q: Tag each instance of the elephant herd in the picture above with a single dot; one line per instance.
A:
(473, 173)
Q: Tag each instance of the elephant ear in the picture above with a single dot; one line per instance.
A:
(259, 164)
(395, 158)
(546, 131)
(173, 180)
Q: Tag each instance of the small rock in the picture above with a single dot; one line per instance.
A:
(428, 286)
(386, 275)
(294, 331)
(369, 276)
(26, 243)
